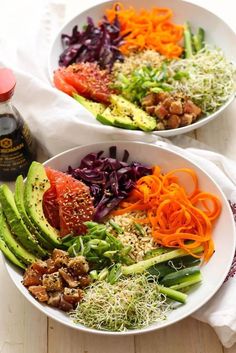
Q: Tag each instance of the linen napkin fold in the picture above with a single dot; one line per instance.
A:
(59, 123)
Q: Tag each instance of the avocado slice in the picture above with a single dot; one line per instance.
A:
(94, 107)
(107, 117)
(115, 118)
(21, 253)
(7, 252)
(19, 200)
(143, 120)
(36, 185)
(16, 224)
(125, 122)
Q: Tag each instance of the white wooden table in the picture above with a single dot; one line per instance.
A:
(23, 329)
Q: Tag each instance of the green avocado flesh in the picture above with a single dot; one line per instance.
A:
(13, 245)
(19, 200)
(121, 113)
(107, 117)
(125, 122)
(113, 117)
(125, 108)
(16, 224)
(94, 107)
(36, 185)
(7, 252)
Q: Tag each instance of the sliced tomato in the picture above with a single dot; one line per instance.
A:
(100, 96)
(50, 202)
(79, 82)
(88, 79)
(61, 84)
(72, 200)
(51, 207)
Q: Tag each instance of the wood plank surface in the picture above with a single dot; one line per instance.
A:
(188, 336)
(74, 341)
(23, 329)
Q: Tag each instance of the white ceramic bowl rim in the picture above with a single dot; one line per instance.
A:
(97, 147)
(164, 133)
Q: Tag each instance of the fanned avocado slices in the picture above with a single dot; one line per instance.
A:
(17, 225)
(9, 254)
(19, 199)
(37, 183)
(142, 120)
(114, 118)
(94, 107)
(13, 245)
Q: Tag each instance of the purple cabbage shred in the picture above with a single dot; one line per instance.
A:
(110, 180)
(93, 44)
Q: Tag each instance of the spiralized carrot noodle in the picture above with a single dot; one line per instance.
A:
(148, 30)
(178, 218)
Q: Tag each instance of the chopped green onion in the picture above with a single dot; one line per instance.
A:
(116, 227)
(93, 274)
(140, 229)
(103, 274)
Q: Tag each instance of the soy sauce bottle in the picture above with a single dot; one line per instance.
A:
(17, 146)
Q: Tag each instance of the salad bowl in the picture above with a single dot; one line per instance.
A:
(217, 33)
(214, 271)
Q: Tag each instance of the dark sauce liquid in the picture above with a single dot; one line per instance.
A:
(17, 147)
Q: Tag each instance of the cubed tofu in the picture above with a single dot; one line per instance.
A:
(78, 265)
(173, 122)
(191, 108)
(53, 282)
(40, 266)
(68, 278)
(54, 299)
(186, 119)
(149, 100)
(161, 96)
(161, 112)
(176, 108)
(32, 277)
(65, 305)
(60, 258)
(73, 295)
(39, 292)
(51, 266)
(84, 281)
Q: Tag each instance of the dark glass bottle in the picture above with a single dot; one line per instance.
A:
(17, 146)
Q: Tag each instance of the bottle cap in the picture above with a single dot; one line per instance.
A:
(7, 84)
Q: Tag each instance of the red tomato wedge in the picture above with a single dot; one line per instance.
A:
(72, 204)
(87, 79)
(51, 207)
(61, 84)
(78, 82)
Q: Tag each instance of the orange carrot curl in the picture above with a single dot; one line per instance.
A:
(151, 29)
(178, 218)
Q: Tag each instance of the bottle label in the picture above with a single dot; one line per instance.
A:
(16, 152)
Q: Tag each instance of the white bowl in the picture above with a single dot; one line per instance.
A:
(217, 33)
(214, 272)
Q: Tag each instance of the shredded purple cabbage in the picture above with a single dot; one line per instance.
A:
(109, 179)
(93, 44)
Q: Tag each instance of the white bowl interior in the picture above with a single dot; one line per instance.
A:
(217, 33)
(214, 272)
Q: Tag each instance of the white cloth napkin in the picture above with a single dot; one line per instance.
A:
(59, 123)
